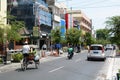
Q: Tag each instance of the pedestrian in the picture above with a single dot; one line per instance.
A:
(78, 49)
(57, 46)
(44, 48)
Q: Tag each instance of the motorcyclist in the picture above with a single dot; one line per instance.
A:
(25, 50)
(70, 52)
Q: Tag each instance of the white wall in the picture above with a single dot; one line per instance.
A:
(3, 11)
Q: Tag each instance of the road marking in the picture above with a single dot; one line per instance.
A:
(78, 60)
(56, 69)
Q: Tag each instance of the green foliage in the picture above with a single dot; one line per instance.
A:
(102, 34)
(63, 41)
(17, 57)
(73, 36)
(11, 30)
(0, 60)
(113, 24)
(102, 41)
(1, 35)
(56, 35)
(89, 39)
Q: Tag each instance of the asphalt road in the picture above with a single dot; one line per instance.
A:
(63, 69)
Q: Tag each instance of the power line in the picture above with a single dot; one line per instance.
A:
(94, 2)
(98, 6)
(90, 3)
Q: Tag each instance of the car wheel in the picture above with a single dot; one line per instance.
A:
(104, 59)
(88, 59)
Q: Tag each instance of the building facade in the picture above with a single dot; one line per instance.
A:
(37, 18)
(55, 9)
(3, 10)
(81, 21)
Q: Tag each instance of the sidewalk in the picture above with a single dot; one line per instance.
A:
(114, 67)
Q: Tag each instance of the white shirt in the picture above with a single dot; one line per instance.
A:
(44, 46)
(26, 49)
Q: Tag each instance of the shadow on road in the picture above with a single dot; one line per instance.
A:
(21, 70)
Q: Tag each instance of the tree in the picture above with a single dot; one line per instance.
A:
(73, 36)
(10, 31)
(13, 33)
(15, 26)
(56, 35)
(113, 24)
(89, 39)
(102, 34)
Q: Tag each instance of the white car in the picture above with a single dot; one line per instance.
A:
(109, 47)
(96, 51)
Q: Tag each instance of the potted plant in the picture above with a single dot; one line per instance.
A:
(17, 57)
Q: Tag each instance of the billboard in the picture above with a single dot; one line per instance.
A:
(63, 28)
(69, 20)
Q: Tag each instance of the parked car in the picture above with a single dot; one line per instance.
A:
(96, 51)
(109, 47)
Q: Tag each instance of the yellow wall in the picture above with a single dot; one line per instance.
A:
(3, 11)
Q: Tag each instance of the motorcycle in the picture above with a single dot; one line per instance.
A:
(31, 59)
(70, 54)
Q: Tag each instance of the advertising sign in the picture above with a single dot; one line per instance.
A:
(35, 31)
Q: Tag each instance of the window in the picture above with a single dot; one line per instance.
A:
(95, 48)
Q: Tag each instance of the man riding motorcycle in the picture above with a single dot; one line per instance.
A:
(70, 52)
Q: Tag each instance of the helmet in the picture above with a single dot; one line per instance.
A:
(26, 42)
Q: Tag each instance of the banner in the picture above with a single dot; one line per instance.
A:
(36, 31)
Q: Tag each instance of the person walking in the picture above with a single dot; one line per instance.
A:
(44, 48)
(57, 47)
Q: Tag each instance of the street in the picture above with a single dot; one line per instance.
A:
(63, 69)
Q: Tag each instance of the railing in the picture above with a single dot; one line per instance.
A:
(14, 51)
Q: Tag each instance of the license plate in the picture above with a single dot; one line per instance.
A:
(95, 52)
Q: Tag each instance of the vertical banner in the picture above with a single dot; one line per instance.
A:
(35, 31)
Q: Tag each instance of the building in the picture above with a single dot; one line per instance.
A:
(3, 9)
(37, 18)
(81, 21)
(55, 9)
(69, 20)
(63, 10)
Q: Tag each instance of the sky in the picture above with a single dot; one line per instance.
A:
(97, 10)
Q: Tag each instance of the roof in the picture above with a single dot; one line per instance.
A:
(24, 31)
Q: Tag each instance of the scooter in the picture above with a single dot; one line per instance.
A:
(70, 55)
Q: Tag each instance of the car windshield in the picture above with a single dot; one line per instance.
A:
(95, 48)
